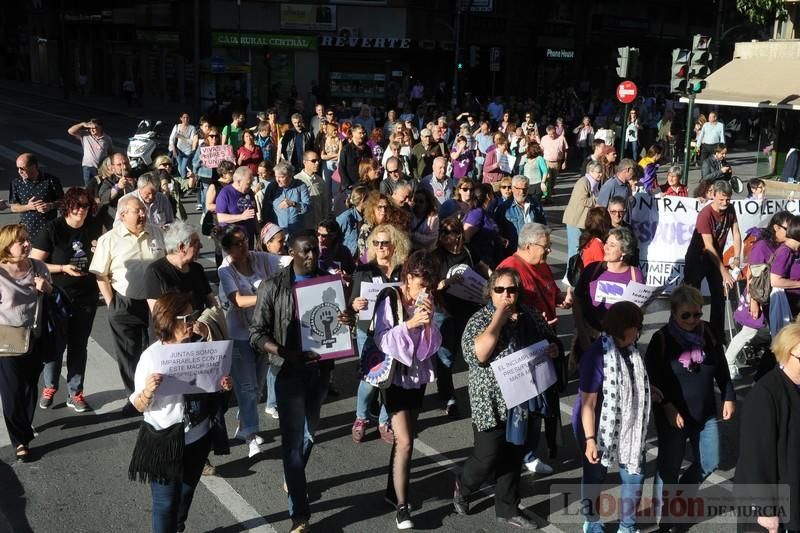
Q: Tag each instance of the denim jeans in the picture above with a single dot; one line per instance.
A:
(704, 439)
(631, 492)
(634, 146)
(272, 376)
(89, 174)
(171, 502)
(367, 394)
(300, 393)
(182, 161)
(248, 370)
(327, 174)
(573, 237)
(79, 328)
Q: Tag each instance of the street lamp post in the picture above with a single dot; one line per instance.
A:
(457, 58)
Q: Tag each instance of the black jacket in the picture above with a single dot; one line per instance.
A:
(348, 163)
(711, 170)
(365, 273)
(769, 438)
(287, 146)
(275, 317)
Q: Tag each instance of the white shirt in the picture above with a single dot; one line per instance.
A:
(124, 257)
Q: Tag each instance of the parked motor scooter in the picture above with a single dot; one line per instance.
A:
(149, 141)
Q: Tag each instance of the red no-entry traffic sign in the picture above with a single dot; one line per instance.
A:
(626, 92)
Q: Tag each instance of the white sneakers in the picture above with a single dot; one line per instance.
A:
(537, 466)
(254, 447)
(271, 411)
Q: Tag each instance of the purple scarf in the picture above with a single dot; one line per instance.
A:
(691, 342)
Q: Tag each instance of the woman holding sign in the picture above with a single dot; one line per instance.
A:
(684, 359)
(179, 430)
(499, 329)
(611, 415)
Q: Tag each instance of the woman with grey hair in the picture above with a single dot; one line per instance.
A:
(179, 271)
(673, 186)
(583, 198)
(601, 284)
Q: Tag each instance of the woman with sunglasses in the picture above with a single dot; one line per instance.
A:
(240, 274)
(376, 207)
(497, 330)
(412, 340)
(750, 314)
(462, 202)
(66, 246)
(684, 359)
(611, 414)
(388, 249)
(582, 199)
(205, 175)
(452, 315)
(179, 430)
(330, 149)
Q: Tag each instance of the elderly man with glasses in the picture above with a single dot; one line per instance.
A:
(520, 209)
(34, 194)
(120, 262)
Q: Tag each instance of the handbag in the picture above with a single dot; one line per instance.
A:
(207, 224)
(16, 340)
(377, 367)
(760, 285)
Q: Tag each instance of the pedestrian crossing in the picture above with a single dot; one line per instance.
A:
(50, 152)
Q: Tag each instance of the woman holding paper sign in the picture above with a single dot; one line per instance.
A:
(387, 250)
(600, 285)
(503, 326)
(684, 359)
(178, 431)
(611, 415)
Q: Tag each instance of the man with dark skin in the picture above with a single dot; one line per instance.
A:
(303, 379)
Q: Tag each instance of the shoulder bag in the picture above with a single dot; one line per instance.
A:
(16, 340)
(377, 367)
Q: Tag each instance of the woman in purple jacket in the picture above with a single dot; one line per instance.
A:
(412, 340)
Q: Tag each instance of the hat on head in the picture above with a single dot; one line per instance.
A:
(269, 231)
(425, 133)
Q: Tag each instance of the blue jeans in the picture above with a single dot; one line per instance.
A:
(573, 236)
(327, 174)
(248, 370)
(79, 328)
(366, 392)
(634, 146)
(272, 376)
(631, 493)
(171, 502)
(704, 439)
(300, 393)
(89, 174)
(182, 161)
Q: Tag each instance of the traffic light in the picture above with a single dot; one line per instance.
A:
(460, 65)
(474, 56)
(699, 68)
(680, 70)
(627, 61)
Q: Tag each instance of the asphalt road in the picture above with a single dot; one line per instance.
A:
(78, 481)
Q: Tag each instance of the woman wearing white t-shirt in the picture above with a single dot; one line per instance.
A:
(240, 274)
(181, 141)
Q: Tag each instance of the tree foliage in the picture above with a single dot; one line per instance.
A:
(762, 12)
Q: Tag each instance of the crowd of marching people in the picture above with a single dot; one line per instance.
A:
(413, 202)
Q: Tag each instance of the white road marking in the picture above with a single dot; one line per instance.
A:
(236, 505)
(72, 146)
(41, 150)
(39, 111)
(8, 153)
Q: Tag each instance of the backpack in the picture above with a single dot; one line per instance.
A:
(377, 367)
(760, 286)
(574, 268)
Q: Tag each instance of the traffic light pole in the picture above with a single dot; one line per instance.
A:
(454, 97)
(689, 130)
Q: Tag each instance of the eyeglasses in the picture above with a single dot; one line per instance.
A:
(511, 291)
(188, 319)
(502, 187)
(83, 205)
(543, 247)
(395, 171)
(465, 189)
(312, 160)
(381, 244)
(520, 188)
(323, 235)
(212, 136)
(687, 316)
(165, 165)
(785, 228)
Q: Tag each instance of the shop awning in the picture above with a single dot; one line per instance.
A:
(754, 82)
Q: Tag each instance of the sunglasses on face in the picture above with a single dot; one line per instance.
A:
(212, 136)
(510, 290)
(502, 187)
(83, 205)
(687, 316)
(188, 319)
(381, 244)
(466, 189)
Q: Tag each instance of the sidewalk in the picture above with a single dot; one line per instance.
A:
(150, 106)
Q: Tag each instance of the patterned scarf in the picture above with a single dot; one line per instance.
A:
(625, 411)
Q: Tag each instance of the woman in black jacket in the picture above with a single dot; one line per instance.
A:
(683, 360)
(768, 469)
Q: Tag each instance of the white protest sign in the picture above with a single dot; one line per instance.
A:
(471, 287)
(506, 163)
(664, 226)
(319, 301)
(640, 294)
(524, 374)
(608, 292)
(212, 156)
(370, 292)
(193, 367)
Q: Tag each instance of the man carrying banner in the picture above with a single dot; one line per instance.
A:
(704, 255)
(302, 381)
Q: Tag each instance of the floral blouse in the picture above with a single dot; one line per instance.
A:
(489, 409)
